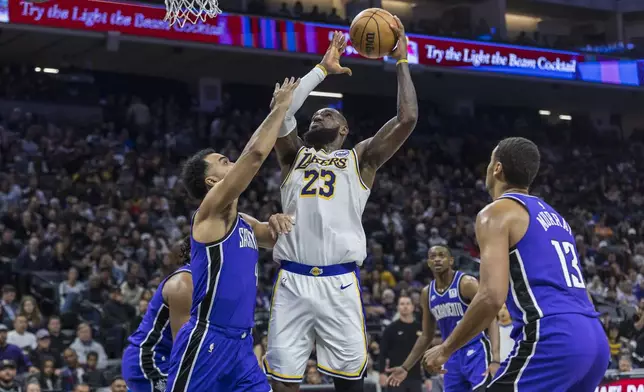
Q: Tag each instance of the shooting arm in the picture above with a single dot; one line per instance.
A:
(424, 340)
(244, 170)
(375, 151)
(177, 293)
(493, 235)
(288, 142)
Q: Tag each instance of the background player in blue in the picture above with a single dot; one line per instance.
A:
(214, 350)
(526, 245)
(146, 360)
(444, 302)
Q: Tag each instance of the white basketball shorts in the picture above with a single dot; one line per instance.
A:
(317, 307)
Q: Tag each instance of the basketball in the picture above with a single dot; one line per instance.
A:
(371, 33)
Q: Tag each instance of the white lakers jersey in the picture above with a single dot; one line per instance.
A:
(325, 194)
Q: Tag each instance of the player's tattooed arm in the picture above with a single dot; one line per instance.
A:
(289, 143)
(493, 236)
(377, 150)
(177, 293)
(398, 374)
(267, 232)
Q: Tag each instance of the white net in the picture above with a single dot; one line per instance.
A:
(182, 11)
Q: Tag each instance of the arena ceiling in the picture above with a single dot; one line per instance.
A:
(58, 49)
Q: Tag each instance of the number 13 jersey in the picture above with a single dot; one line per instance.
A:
(326, 195)
(545, 270)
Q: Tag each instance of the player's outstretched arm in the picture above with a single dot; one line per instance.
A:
(254, 154)
(377, 150)
(267, 232)
(398, 374)
(177, 293)
(289, 142)
(493, 235)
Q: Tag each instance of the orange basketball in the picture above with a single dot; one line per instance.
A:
(371, 33)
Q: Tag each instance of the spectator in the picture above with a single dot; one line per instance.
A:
(8, 304)
(614, 342)
(625, 365)
(58, 341)
(33, 387)
(313, 376)
(13, 353)
(140, 312)
(29, 309)
(116, 319)
(73, 373)
(31, 258)
(95, 378)
(70, 291)
(284, 12)
(82, 388)
(20, 336)
(9, 248)
(118, 385)
(84, 344)
(131, 290)
(396, 343)
(8, 381)
(48, 379)
(44, 351)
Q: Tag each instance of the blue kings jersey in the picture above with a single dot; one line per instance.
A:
(153, 336)
(224, 275)
(545, 270)
(448, 307)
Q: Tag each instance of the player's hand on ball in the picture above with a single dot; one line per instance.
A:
(435, 358)
(397, 376)
(283, 94)
(280, 224)
(400, 51)
(331, 59)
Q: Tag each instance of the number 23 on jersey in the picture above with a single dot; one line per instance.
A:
(318, 183)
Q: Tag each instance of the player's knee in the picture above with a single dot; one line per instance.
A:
(279, 386)
(343, 385)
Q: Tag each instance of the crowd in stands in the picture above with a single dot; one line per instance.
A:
(88, 213)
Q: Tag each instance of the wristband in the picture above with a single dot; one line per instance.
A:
(322, 68)
(497, 362)
(402, 61)
(404, 368)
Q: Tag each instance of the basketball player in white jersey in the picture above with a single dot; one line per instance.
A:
(316, 298)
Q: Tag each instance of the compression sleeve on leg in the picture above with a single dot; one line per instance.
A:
(307, 84)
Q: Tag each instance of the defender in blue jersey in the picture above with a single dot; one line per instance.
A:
(146, 359)
(214, 350)
(560, 345)
(444, 302)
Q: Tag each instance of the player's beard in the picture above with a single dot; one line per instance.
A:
(320, 137)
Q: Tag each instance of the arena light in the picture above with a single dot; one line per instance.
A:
(37, 69)
(50, 70)
(325, 94)
(565, 117)
(544, 112)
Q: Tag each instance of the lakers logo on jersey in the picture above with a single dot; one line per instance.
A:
(326, 195)
(315, 271)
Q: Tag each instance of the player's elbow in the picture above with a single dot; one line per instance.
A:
(493, 300)
(408, 119)
(257, 155)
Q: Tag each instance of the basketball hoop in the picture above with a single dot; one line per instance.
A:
(182, 11)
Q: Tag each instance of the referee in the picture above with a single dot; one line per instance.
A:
(396, 343)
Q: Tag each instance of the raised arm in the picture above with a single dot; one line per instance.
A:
(399, 374)
(177, 292)
(289, 143)
(266, 232)
(237, 179)
(377, 150)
